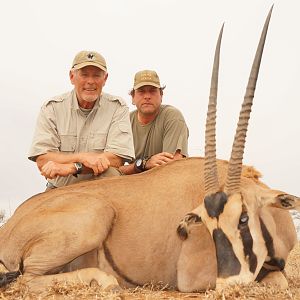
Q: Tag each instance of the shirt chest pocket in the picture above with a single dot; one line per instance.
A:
(98, 141)
(68, 143)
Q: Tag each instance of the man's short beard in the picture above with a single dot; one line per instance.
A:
(89, 98)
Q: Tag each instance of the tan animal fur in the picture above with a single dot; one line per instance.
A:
(51, 229)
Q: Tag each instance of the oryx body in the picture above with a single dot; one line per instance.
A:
(130, 223)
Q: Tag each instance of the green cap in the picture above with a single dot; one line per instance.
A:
(146, 77)
(89, 58)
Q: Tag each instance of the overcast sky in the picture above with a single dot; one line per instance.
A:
(39, 40)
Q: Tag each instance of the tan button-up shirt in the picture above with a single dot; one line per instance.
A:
(63, 127)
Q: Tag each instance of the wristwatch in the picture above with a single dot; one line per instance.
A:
(140, 164)
(78, 167)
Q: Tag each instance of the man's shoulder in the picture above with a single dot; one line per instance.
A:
(59, 98)
(133, 117)
(133, 113)
(169, 111)
(114, 99)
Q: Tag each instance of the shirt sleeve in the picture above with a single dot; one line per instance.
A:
(175, 133)
(45, 138)
(119, 139)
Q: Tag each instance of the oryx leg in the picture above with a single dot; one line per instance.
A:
(37, 284)
(87, 260)
(77, 234)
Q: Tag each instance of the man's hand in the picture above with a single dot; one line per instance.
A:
(98, 162)
(94, 161)
(154, 161)
(159, 159)
(162, 158)
(53, 164)
(53, 169)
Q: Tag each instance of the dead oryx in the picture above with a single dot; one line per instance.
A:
(122, 231)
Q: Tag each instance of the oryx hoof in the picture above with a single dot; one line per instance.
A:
(8, 277)
(189, 219)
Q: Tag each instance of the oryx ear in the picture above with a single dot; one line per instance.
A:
(286, 201)
(280, 200)
(186, 222)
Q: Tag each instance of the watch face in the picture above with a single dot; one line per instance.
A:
(139, 164)
(78, 167)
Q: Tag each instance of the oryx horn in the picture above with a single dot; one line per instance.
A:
(236, 159)
(211, 181)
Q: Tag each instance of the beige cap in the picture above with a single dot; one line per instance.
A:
(146, 77)
(89, 58)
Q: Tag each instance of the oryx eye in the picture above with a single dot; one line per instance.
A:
(244, 218)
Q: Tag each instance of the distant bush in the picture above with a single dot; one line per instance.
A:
(2, 216)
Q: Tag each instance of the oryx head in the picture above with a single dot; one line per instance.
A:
(231, 211)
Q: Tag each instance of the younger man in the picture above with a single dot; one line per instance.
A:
(160, 133)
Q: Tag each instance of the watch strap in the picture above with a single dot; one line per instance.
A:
(145, 159)
(78, 167)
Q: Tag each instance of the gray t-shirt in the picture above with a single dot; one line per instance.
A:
(167, 132)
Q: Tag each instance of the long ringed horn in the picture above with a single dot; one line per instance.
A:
(235, 162)
(211, 181)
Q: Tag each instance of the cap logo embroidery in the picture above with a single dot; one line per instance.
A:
(90, 56)
(146, 77)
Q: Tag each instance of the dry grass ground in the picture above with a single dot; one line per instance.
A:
(18, 290)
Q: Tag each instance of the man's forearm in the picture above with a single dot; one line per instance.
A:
(128, 169)
(83, 157)
(115, 160)
(58, 157)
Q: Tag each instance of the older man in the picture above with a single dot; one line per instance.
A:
(83, 133)
(160, 133)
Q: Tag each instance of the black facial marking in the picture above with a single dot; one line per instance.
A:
(275, 263)
(262, 274)
(228, 264)
(110, 260)
(268, 239)
(215, 203)
(247, 241)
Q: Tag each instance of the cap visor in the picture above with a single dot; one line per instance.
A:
(146, 83)
(82, 65)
